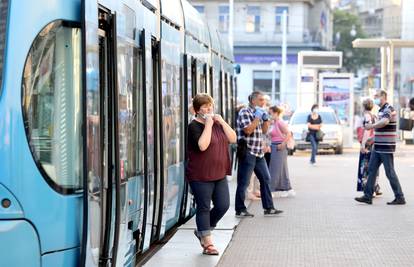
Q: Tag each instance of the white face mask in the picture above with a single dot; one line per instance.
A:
(205, 116)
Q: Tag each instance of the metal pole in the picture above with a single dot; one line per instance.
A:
(273, 84)
(391, 75)
(383, 67)
(299, 82)
(283, 85)
(231, 15)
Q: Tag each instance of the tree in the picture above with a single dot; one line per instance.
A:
(347, 27)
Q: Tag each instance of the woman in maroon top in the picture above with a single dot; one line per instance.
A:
(208, 164)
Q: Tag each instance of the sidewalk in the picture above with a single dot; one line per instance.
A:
(184, 250)
(324, 226)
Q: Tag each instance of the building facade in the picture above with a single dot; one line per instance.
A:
(407, 54)
(257, 35)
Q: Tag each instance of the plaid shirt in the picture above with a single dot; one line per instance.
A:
(255, 140)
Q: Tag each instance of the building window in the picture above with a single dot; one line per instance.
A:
(253, 19)
(200, 9)
(262, 81)
(224, 18)
(279, 16)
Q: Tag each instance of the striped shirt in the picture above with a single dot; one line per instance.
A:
(385, 137)
(255, 140)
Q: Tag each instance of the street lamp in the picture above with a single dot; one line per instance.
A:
(353, 31)
(274, 65)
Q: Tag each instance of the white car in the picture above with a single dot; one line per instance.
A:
(331, 127)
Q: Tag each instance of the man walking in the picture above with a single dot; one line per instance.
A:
(252, 123)
(383, 151)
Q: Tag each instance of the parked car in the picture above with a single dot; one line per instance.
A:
(331, 126)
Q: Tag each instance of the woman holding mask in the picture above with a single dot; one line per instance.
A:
(314, 125)
(208, 164)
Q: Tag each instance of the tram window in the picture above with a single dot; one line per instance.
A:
(216, 91)
(51, 102)
(194, 77)
(203, 80)
(3, 18)
(130, 110)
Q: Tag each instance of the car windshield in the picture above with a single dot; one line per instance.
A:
(302, 118)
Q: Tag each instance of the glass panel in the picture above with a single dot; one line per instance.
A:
(172, 139)
(224, 18)
(216, 91)
(262, 81)
(190, 89)
(52, 103)
(229, 101)
(279, 14)
(327, 118)
(200, 9)
(253, 19)
(150, 62)
(3, 19)
(202, 86)
(130, 138)
(131, 141)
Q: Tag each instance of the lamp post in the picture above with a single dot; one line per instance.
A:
(274, 65)
(353, 31)
(231, 16)
(283, 80)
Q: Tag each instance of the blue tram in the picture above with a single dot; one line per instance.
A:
(94, 100)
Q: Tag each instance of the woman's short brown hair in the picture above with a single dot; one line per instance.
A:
(201, 99)
(368, 104)
(276, 109)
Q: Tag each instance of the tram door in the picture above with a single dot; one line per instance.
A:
(153, 181)
(101, 199)
(190, 88)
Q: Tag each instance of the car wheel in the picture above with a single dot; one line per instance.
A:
(339, 150)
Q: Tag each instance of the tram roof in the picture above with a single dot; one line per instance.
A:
(226, 50)
(154, 4)
(214, 39)
(170, 11)
(194, 24)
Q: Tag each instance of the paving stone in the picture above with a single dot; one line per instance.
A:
(324, 226)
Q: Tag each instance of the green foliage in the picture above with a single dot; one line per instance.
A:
(353, 58)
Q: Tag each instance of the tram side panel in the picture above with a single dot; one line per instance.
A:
(39, 77)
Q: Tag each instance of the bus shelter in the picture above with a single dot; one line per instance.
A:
(387, 47)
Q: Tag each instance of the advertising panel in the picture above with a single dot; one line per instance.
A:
(336, 90)
(336, 93)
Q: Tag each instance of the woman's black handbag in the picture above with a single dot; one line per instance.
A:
(406, 124)
(319, 135)
(307, 138)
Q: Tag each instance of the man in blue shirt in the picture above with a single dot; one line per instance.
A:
(252, 123)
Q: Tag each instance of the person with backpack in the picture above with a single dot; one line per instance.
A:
(366, 139)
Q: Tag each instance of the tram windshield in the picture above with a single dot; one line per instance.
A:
(3, 19)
